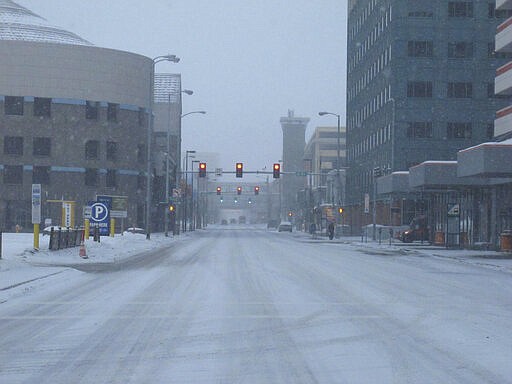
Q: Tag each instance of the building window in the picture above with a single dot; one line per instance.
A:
(498, 13)
(13, 174)
(420, 48)
(92, 150)
(13, 105)
(42, 146)
(111, 180)
(41, 175)
(141, 181)
(112, 110)
(460, 9)
(459, 131)
(419, 89)
(460, 50)
(111, 150)
(419, 129)
(460, 90)
(13, 145)
(91, 177)
(142, 116)
(91, 110)
(490, 131)
(42, 106)
(141, 153)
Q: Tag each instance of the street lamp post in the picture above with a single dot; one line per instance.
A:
(193, 212)
(168, 144)
(185, 202)
(158, 59)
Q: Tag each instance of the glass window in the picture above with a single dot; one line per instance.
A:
(13, 145)
(112, 110)
(42, 146)
(460, 9)
(111, 180)
(111, 150)
(91, 177)
(92, 150)
(419, 129)
(42, 106)
(141, 153)
(420, 48)
(419, 89)
(460, 50)
(459, 130)
(13, 105)
(13, 174)
(91, 110)
(41, 175)
(460, 90)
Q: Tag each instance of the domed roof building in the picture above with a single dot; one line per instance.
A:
(73, 118)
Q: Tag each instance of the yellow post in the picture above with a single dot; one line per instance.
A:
(87, 229)
(112, 227)
(36, 236)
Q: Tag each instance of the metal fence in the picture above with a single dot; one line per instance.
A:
(65, 238)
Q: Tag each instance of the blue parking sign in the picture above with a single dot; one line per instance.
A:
(100, 216)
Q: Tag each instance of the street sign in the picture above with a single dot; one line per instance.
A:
(36, 203)
(453, 210)
(218, 171)
(118, 205)
(301, 173)
(100, 217)
(366, 203)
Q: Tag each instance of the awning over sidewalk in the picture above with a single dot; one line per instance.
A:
(396, 182)
(486, 160)
(438, 175)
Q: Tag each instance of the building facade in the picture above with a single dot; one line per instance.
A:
(72, 118)
(294, 141)
(420, 85)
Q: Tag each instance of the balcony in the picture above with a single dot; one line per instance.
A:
(503, 122)
(503, 81)
(503, 4)
(504, 36)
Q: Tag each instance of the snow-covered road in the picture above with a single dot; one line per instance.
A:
(251, 306)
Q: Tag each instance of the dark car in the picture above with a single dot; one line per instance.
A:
(418, 230)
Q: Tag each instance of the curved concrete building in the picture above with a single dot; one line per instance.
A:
(72, 118)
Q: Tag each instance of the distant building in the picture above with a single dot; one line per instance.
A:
(420, 85)
(294, 133)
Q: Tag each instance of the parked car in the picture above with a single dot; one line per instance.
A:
(284, 226)
(272, 223)
(418, 230)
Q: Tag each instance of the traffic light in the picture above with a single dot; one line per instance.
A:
(290, 214)
(238, 190)
(172, 208)
(239, 169)
(202, 169)
(219, 190)
(256, 190)
(340, 210)
(277, 170)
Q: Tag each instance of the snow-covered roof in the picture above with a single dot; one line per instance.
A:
(507, 142)
(19, 23)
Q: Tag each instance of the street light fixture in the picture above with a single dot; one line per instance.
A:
(158, 59)
(188, 92)
(190, 113)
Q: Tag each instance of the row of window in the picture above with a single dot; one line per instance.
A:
(373, 70)
(15, 106)
(415, 130)
(13, 175)
(42, 147)
(456, 50)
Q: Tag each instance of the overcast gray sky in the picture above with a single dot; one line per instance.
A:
(247, 61)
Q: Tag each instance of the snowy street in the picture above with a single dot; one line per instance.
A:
(234, 305)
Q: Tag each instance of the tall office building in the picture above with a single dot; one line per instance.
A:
(420, 84)
(294, 141)
(503, 123)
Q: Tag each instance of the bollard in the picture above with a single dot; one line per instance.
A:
(380, 235)
(390, 235)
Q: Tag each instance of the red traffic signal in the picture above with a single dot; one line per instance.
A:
(277, 170)
(238, 190)
(256, 190)
(239, 169)
(202, 169)
(219, 190)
